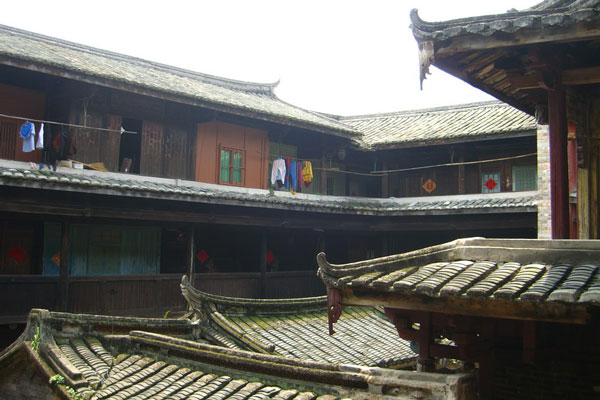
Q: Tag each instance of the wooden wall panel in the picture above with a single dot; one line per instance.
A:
(177, 161)
(212, 135)
(206, 152)
(151, 158)
(18, 295)
(126, 295)
(111, 144)
(236, 285)
(17, 249)
(19, 102)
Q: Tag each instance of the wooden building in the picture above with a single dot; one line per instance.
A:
(524, 312)
(167, 172)
(544, 61)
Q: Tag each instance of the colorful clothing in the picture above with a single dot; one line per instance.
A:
(307, 173)
(27, 133)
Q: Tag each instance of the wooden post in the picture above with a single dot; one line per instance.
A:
(191, 257)
(559, 175)
(191, 254)
(323, 176)
(263, 265)
(385, 183)
(63, 272)
(425, 363)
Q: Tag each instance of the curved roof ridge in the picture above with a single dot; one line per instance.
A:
(264, 88)
(196, 297)
(423, 29)
(455, 107)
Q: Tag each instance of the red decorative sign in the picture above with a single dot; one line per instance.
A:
(429, 186)
(270, 257)
(17, 254)
(491, 184)
(202, 256)
(56, 259)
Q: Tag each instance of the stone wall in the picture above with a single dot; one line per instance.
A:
(543, 167)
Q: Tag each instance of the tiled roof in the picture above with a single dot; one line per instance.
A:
(546, 280)
(100, 357)
(547, 14)
(86, 63)
(179, 190)
(442, 125)
(297, 328)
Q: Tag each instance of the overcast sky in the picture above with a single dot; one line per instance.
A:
(341, 57)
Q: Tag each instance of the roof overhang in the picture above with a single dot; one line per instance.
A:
(516, 56)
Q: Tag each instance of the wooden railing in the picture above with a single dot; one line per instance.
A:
(142, 295)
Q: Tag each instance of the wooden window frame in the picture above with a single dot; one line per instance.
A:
(231, 167)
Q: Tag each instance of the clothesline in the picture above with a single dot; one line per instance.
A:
(66, 124)
(455, 164)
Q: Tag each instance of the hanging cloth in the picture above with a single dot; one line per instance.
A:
(299, 175)
(307, 173)
(286, 183)
(293, 175)
(278, 171)
(27, 133)
(40, 139)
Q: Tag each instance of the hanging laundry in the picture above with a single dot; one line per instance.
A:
(299, 175)
(40, 139)
(27, 133)
(278, 172)
(293, 177)
(62, 144)
(307, 173)
(286, 184)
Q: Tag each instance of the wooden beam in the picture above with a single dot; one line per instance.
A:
(581, 76)
(476, 307)
(547, 34)
(569, 77)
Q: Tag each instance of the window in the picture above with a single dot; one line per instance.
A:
(524, 178)
(490, 182)
(232, 166)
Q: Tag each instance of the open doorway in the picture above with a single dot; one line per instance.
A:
(129, 150)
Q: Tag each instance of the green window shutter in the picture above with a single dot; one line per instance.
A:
(225, 163)
(238, 163)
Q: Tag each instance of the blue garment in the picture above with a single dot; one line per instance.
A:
(293, 175)
(27, 133)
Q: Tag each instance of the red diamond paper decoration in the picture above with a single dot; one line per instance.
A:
(17, 254)
(56, 259)
(202, 256)
(429, 186)
(270, 257)
(491, 184)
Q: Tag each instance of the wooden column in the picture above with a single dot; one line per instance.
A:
(191, 253)
(263, 265)
(191, 257)
(425, 362)
(559, 175)
(323, 176)
(385, 183)
(63, 271)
